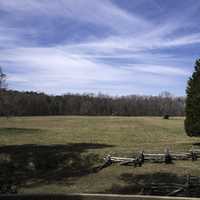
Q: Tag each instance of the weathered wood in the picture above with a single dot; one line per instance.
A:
(175, 192)
(126, 163)
(154, 154)
(195, 150)
(147, 158)
(141, 156)
(120, 159)
(174, 156)
(166, 157)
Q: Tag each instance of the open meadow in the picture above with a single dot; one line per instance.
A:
(58, 154)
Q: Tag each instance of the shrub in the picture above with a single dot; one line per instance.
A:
(166, 117)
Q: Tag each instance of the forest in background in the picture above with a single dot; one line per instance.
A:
(15, 103)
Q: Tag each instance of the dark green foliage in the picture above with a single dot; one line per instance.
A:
(166, 117)
(192, 121)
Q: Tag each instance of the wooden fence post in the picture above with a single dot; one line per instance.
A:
(188, 185)
(193, 155)
(168, 158)
(142, 156)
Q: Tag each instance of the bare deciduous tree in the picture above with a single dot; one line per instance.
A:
(3, 105)
(2, 80)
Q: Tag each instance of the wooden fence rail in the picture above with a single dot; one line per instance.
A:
(142, 157)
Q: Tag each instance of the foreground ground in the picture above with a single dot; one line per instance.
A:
(58, 154)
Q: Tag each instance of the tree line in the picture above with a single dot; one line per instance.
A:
(15, 103)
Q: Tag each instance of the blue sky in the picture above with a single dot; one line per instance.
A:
(117, 47)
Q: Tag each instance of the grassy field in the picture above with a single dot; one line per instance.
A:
(63, 150)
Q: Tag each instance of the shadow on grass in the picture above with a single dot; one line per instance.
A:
(46, 197)
(196, 144)
(13, 131)
(176, 118)
(152, 184)
(29, 165)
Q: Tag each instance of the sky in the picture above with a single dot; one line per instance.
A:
(115, 47)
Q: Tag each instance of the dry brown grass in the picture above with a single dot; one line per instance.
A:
(125, 135)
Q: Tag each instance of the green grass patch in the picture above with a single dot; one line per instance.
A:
(16, 131)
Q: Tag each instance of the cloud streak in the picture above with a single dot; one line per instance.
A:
(110, 47)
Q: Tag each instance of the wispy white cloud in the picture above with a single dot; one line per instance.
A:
(140, 43)
(91, 11)
(83, 64)
(53, 67)
(159, 69)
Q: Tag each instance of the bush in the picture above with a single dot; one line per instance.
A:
(166, 117)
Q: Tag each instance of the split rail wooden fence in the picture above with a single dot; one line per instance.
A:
(142, 157)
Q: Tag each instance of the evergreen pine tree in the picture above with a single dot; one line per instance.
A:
(192, 121)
